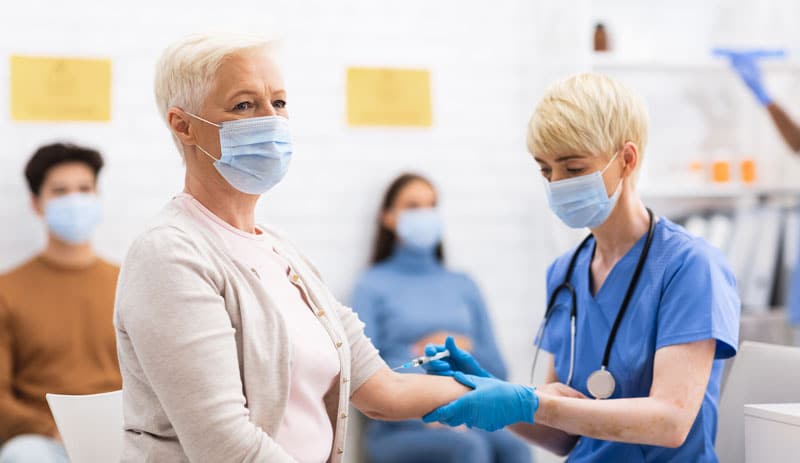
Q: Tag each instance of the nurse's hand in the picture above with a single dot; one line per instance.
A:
(745, 63)
(492, 405)
(458, 360)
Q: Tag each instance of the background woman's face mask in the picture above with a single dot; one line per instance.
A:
(420, 228)
(582, 202)
(255, 152)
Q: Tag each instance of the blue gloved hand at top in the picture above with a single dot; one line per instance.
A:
(745, 63)
(458, 360)
(492, 405)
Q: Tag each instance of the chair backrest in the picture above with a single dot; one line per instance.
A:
(761, 373)
(90, 425)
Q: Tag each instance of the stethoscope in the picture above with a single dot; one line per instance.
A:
(601, 383)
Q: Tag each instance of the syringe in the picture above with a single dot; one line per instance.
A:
(423, 359)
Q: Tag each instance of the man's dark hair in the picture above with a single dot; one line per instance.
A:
(49, 156)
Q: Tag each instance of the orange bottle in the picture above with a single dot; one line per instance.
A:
(748, 171)
(720, 171)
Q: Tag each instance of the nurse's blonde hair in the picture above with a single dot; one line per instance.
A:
(588, 114)
(186, 70)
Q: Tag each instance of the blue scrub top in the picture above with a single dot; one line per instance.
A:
(686, 293)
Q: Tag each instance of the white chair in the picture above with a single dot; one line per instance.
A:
(761, 373)
(90, 425)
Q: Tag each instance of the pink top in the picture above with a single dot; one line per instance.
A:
(306, 432)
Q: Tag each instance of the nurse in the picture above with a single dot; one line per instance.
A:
(655, 309)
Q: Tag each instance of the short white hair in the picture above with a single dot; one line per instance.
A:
(187, 68)
(588, 114)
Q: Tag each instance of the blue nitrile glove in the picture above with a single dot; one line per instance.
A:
(458, 360)
(493, 405)
(745, 64)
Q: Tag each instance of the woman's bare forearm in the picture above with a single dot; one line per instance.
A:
(647, 420)
(551, 439)
(788, 129)
(680, 377)
(392, 396)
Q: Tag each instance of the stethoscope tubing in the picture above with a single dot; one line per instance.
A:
(566, 285)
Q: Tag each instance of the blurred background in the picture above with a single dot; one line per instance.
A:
(714, 161)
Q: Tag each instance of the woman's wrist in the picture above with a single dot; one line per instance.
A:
(542, 414)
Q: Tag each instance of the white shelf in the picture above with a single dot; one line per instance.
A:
(610, 62)
(728, 192)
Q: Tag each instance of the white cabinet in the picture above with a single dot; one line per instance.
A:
(772, 432)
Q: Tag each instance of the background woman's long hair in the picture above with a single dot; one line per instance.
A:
(386, 239)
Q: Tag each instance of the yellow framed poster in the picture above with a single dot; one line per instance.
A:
(388, 97)
(60, 89)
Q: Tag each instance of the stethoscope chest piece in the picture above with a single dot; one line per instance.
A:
(601, 384)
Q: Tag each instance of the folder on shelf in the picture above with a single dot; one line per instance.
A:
(763, 228)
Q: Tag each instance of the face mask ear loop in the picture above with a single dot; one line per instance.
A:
(206, 153)
(609, 163)
(207, 122)
(619, 184)
(204, 120)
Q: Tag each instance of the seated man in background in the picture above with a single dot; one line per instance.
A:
(56, 332)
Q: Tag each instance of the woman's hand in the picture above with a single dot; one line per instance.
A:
(458, 361)
(560, 390)
(439, 338)
(493, 404)
(437, 425)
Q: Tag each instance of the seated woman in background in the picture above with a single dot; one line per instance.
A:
(409, 299)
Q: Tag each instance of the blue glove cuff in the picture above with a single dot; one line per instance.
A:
(529, 398)
(763, 98)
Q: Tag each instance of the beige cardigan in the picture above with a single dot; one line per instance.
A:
(204, 352)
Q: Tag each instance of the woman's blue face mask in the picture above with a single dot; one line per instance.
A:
(255, 152)
(420, 229)
(582, 202)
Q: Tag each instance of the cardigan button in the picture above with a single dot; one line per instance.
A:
(339, 344)
(344, 416)
(340, 451)
(321, 313)
(345, 380)
(295, 278)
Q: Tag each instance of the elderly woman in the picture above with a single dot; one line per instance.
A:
(231, 346)
(640, 313)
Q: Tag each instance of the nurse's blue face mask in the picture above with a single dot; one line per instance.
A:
(582, 202)
(255, 152)
(72, 218)
(420, 229)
